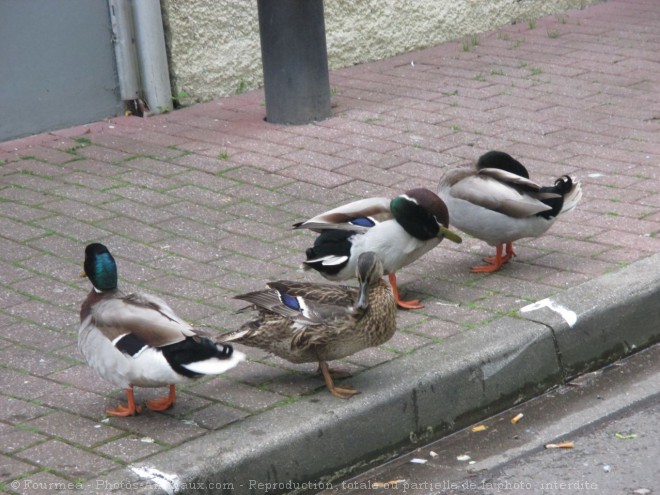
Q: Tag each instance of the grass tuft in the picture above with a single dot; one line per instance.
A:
(469, 42)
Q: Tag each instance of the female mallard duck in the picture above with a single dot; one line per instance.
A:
(136, 339)
(398, 231)
(304, 322)
(497, 203)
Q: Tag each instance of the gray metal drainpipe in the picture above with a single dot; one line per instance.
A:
(121, 18)
(140, 51)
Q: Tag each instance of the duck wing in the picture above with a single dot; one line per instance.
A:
(303, 303)
(332, 294)
(502, 191)
(509, 178)
(358, 216)
(136, 321)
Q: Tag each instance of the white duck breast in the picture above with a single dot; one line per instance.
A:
(395, 247)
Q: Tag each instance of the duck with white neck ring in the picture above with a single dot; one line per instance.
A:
(137, 340)
(399, 231)
(496, 202)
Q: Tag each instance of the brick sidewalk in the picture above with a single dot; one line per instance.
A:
(197, 206)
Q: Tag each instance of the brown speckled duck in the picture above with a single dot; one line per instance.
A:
(306, 322)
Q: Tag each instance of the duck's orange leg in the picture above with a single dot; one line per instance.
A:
(412, 304)
(496, 262)
(345, 392)
(510, 253)
(337, 372)
(163, 403)
(130, 410)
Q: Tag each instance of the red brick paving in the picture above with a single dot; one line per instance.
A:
(197, 205)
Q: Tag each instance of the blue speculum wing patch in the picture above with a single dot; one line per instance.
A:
(363, 222)
(290, 301)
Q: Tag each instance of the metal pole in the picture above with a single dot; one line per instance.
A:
(295, 60)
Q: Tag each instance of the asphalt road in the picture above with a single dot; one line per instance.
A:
(609, 417)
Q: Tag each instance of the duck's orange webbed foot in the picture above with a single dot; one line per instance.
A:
(163, 403)
(130, 410)
(343, 392)
(496, 262)
(410, 304)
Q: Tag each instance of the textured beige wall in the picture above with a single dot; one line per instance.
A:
(214, 44)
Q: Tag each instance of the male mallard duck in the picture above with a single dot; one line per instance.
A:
(305, 322)
(136, 339)
(497, 203)
(399, 231)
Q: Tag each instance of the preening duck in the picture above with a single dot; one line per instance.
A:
(399, 231)
(496, 202)
(137, 340)
(305, 322)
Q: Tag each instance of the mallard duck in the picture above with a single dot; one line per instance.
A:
(399, 231)
(136, 339)
(496, 202)
(306, 322)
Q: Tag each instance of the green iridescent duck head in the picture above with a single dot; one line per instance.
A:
(100, 267)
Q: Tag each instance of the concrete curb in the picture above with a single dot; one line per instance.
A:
(416, 398)
(615, 315)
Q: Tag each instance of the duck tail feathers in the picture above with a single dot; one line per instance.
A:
(215, 365)
(198, 355)
(572, 196)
